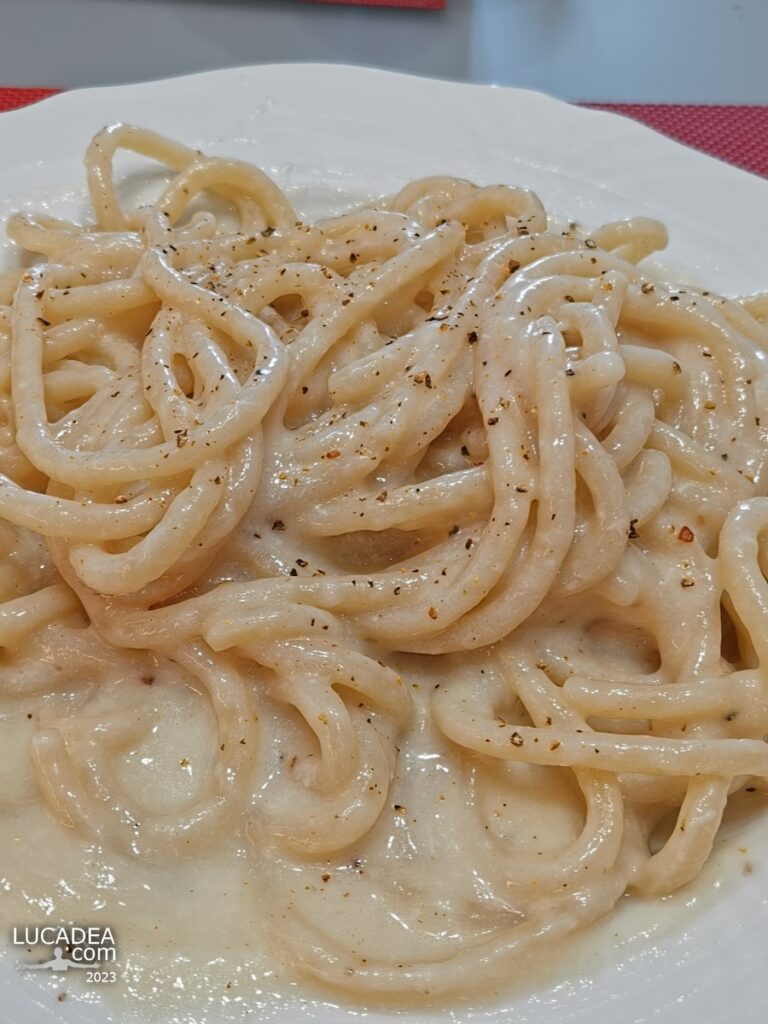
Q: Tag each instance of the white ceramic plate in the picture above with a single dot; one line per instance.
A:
(330, 133)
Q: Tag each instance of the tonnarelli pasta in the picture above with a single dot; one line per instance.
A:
(436, 486)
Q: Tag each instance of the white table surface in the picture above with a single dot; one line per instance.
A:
(689, 51)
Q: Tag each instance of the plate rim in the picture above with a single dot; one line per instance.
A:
(66, 97)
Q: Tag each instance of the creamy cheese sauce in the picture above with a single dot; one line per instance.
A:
(193, 934)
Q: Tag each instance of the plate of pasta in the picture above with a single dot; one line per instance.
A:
(383, 475)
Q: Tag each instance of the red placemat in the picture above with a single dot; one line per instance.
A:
(738, 134)
(11, 97)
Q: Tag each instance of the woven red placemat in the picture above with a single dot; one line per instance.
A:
(11, 97)
(738, 134)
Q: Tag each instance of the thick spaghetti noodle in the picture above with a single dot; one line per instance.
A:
(432, 487)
